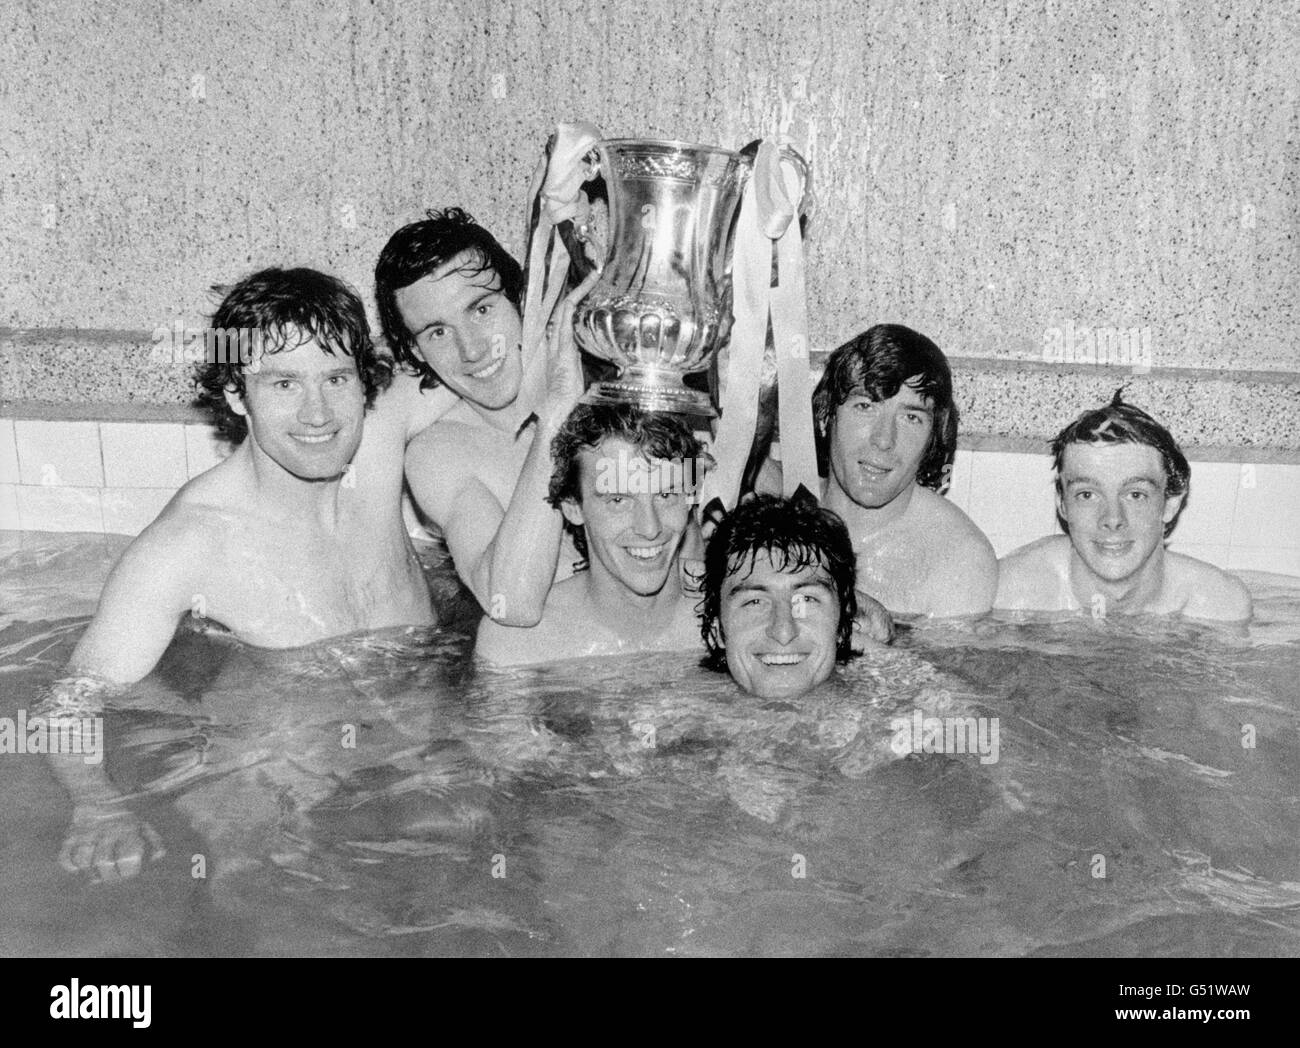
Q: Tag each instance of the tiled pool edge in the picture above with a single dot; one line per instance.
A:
(113, 475)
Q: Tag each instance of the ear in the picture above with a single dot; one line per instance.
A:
(235, 401)
(1173, 503)
(572, 513)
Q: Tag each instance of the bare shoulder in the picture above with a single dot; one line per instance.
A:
(447, 437)
(410, 406)
(545, 642)
(951, 529)
(963, 574)
(1207, 592)
(1025, 574)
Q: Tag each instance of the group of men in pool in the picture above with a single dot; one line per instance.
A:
(560, 520)
(572, 524)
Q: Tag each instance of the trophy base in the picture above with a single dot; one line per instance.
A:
(652, 390)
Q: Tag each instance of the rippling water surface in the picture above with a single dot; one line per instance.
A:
(381, 794)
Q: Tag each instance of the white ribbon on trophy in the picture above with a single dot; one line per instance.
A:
(554, 196)
(767, 225)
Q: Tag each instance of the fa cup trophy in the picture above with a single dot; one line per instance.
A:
(662, 305)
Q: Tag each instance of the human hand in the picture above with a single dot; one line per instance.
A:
(873, 622)
(564, 382)
(109, 842)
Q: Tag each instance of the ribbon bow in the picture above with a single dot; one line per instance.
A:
(767, 226)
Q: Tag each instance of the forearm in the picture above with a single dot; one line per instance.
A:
(514, 574)
(73, 713)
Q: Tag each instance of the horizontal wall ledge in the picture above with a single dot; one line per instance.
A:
(1219, 414)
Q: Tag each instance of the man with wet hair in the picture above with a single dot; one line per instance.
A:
(779, 596)
(887, 432)
(625, 481)
(448, 297)
(1121, 484)
(295, 537)
(298, 534)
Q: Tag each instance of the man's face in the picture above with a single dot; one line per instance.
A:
(634, 535)
(1112, 496)
(876, 446)
(779, 628)
(466, 330)
(304, 407)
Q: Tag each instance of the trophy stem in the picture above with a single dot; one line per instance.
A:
(652, 389)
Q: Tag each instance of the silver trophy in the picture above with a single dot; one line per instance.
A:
(662, 306)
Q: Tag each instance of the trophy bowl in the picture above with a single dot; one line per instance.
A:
(662, 305)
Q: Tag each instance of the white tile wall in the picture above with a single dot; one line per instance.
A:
(55, 454)
(52, 508)
(1207, 520)
(959, 487)
(143, 454)
(1268, 507)
(1011, 497)
(9, 519)
(8, 453)
(1278, 561)
(202, 449)
(117, 476)
(128, 511)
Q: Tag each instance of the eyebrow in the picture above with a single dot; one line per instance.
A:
(278, 373)
(438, 321)
(1096, 483)
(821, 581)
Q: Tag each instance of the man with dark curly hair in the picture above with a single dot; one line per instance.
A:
(779, 596)
(1121, 484)
(449, 299)
(298, 534)
(887, 433)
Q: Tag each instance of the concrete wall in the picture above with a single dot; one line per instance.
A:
(985, 172)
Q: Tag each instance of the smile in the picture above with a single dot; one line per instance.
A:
(490, 370)
(791, 659)
(646, 552)
(874, 471)
(1113, 549)
(317, 438)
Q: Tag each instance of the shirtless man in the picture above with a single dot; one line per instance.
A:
(621, 480)
(887, 429)
(779, 603)
(1121, 483)
(449, 297)
(298, 534)
(295, 537)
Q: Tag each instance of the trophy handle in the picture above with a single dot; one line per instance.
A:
(807, 201)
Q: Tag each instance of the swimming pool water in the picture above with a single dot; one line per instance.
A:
(647, 807)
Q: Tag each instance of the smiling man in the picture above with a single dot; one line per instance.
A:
(618, 480)
(779, 598)
(449, 300)
(278, 543)
(887, 433)
(1121, 483)
(295, 537)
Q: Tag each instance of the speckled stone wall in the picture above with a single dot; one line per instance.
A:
(987, 173)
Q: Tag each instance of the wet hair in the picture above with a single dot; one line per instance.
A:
(418, 249)
(1120, 423)
(656, 435)
(255, 317)
(795, 533)
(876, 364)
